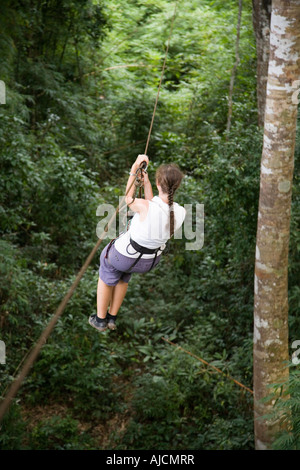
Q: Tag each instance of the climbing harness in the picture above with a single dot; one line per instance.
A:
(142, 250)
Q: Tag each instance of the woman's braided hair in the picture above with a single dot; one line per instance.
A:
(169, 177)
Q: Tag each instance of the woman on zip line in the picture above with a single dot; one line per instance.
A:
(139, 249)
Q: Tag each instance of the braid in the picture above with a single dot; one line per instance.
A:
(171, 208)
(169, 177)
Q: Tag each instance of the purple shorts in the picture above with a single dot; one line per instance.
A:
(112, 269)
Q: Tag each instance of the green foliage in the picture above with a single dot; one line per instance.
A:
(288, 408)
(59, 433)
(81, 80)
(13, 429)
(285, 398)
(181, 404)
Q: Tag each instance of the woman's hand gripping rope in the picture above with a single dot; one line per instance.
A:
(139, 171)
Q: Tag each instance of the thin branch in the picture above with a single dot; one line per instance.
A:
(208, 364)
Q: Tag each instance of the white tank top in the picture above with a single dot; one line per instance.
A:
(154, 231)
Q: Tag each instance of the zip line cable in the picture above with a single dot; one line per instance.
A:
(13, 390)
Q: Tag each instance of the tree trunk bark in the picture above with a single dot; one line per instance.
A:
(261, 24)
(271, 266)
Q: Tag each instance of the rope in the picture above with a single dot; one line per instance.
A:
(159, 86)
(161, 78)
(13, 390)
(208, 364)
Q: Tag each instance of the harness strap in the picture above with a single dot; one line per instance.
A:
(135, 262)
(109, 246)
(143, 251)
(154, 258)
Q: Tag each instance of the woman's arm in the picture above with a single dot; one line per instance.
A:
(138, 204)
(147, 187)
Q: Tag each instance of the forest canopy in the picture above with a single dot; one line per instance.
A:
(81, 79)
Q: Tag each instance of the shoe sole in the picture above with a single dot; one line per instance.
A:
(96, 327)
(111, 326)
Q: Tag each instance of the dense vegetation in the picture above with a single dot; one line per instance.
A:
(72, 126)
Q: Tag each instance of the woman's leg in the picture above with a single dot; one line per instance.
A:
(117, 298)
(104, 295)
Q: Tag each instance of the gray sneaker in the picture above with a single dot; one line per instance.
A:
(111, 321)
(100, 325)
